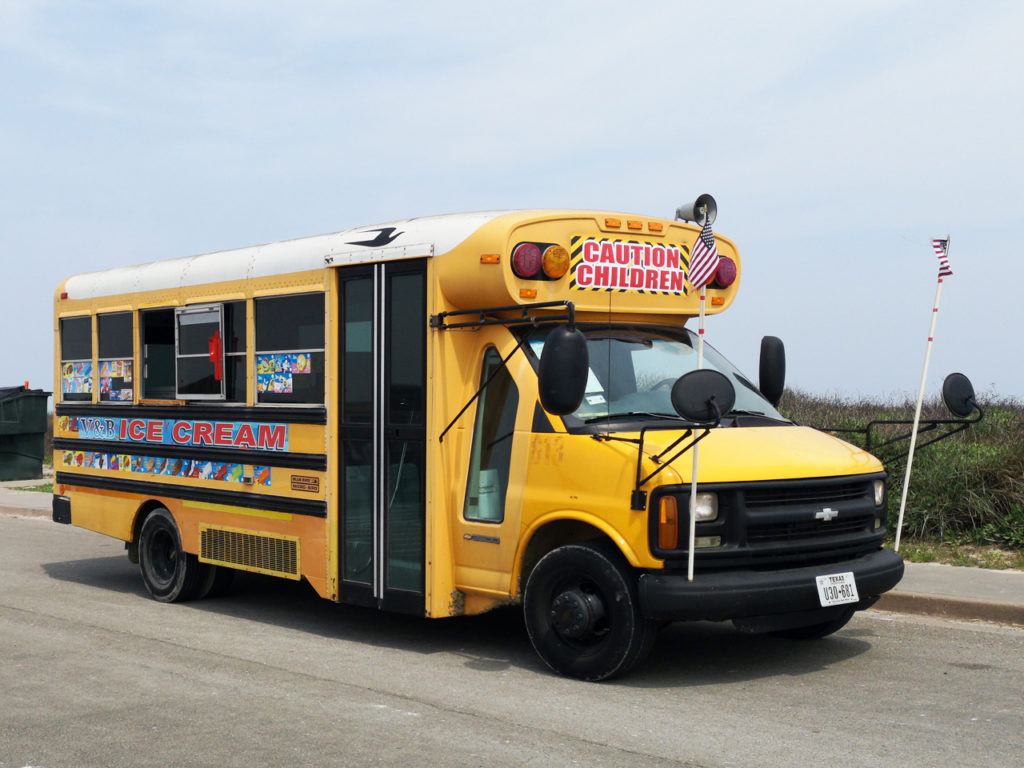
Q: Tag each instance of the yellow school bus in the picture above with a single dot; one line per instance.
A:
(446, 414)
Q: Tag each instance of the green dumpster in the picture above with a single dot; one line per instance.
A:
(22, 432)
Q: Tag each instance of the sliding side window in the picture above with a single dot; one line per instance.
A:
(195, 352)
(76, 358)
(290, 349)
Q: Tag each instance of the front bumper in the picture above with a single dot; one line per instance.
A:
(718, 596)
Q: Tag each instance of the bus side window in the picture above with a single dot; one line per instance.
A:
(76, 379)
(116, 357)
(290, 348)
(234, 351)
(157, 339)
(492, 443)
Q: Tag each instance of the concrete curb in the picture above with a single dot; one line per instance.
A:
(948, 607)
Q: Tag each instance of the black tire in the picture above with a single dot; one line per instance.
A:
(816, 631)
(170, 574)
(582, 613)
(217, 580)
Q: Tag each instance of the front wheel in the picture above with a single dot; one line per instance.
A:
(582, 613)
(170, 574)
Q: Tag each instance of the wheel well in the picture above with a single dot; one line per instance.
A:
(554, 535)
(140, 517)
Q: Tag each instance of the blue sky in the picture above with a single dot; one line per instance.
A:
(837, 138)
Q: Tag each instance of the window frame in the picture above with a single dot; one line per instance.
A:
(130, 359)
(195, 310)
(315, 356)
(90, 378)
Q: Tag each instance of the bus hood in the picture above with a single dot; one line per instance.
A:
(746, 454)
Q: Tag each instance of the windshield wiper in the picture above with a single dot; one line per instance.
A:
(632, 415)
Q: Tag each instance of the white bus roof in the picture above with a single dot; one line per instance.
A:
(410, 238)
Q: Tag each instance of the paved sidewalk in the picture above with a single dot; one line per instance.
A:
(930, 589)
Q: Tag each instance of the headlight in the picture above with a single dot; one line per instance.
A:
(879, 493)
(707, 507)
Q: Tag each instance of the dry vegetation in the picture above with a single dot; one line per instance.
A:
(966, 493)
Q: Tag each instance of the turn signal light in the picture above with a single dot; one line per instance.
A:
(540, 261)
(668, 522)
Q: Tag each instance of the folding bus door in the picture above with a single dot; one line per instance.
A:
(382, 375)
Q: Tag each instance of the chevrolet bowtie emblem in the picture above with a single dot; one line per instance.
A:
(826, 514)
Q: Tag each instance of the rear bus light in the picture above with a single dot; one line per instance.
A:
(526, 260)
(540, 261)
(555, 261)
(725, 275)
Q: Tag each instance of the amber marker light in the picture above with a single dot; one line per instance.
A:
(668, 522)
(490, 258)
(613, 223)
(527, 293)
(655, 226)
(636, 226)
(555, 261)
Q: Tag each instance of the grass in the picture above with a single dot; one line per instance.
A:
(966, 555)
(44, 488)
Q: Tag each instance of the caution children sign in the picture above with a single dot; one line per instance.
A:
(603, 264)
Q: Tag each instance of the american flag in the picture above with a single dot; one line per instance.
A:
(942, 250)
(703, 258)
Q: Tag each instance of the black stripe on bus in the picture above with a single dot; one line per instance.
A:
(308, 507)
(311, 461)
(313, 415)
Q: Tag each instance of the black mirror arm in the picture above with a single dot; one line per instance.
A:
(638, 498)
(928, 425)
(497, 370)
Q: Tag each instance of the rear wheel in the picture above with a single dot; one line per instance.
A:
(170, 574)
(216, 580)
(582, 613)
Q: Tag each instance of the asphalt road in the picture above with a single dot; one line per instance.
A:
(94, 673)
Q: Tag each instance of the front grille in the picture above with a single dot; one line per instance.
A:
(789, 495)
(794, 530)
(778, 523)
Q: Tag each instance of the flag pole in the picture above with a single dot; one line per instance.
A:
(693, 474)
(917, 408)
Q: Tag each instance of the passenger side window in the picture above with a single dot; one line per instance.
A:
(290, 348)
(195, 352)
(76, 381)
(492, 442)
(116, 357)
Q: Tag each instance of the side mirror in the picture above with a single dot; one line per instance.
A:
(703, 396)
(958, 395)
(772, 373)
(564, 366)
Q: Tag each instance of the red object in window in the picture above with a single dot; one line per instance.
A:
(217, 356)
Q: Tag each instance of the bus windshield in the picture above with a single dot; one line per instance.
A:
(633, 368)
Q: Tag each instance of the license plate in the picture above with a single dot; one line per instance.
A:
(837, 589)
